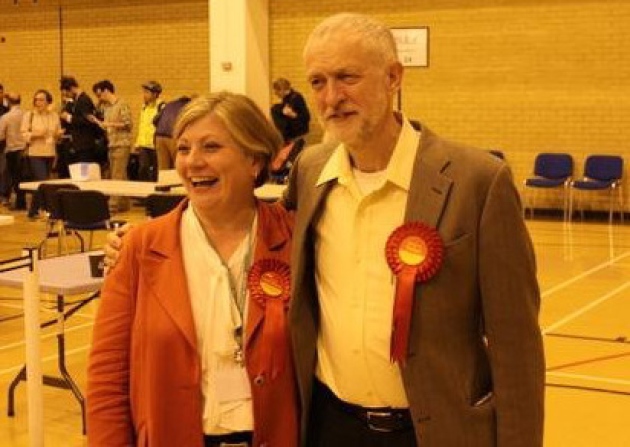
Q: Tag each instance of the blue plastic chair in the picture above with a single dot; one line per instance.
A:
(551, 170)
(601, 172)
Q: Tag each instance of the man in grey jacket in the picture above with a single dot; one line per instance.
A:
(414, 315)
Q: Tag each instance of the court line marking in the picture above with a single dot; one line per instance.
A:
(584, 309)
(582, 275)
(46, 336)
(47, 310)
(589, 360)
(589, 378)
(49, 358)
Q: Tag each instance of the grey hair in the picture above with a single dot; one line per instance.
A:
(370, 33)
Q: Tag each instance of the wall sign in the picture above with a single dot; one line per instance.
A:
(413, 46)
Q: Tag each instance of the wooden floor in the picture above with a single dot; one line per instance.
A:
(584, 273)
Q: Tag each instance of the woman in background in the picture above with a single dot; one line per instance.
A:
(41, 129)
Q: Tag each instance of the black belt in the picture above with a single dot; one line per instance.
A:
(383, 419)
(237, 439)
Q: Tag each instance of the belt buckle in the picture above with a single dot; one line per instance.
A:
(374, 415)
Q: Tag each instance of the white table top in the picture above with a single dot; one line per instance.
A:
(130, 188)
(6, 219)
(63, 275)
(126, 188)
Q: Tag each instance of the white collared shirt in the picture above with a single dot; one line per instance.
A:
(354, 283)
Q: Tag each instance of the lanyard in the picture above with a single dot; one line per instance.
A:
(238, 289)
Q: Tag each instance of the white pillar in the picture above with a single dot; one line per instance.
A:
(34, 375)
(239, 48)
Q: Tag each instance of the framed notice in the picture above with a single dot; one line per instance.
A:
(413, 45)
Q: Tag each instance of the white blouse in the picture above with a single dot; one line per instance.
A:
(227, 404)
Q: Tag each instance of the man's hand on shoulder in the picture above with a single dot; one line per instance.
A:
(113, 245)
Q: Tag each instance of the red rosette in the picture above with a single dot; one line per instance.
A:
(414, 253)
(269, 284)
(269, 280)
(417, 246)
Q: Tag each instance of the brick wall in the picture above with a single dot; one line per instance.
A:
(126, 41)
(523, 76)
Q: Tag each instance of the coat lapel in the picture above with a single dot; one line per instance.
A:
(165, 274)
(272, 238)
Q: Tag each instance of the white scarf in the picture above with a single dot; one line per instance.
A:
(216, 317)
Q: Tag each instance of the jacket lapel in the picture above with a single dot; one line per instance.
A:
(271, 239)
(165, 274)
(430, 187)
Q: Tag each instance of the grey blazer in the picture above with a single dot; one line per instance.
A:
(475, 365)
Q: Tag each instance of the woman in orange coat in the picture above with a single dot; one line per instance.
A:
(190, 343)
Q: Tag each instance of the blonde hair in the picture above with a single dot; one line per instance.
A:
(244, 121)
(369, 33)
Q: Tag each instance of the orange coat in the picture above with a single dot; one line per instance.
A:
(144, 370)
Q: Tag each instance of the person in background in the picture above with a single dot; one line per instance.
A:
(4, 103)
(117, 122)
(80, 125)
(65, 151)
(12, 140)
(188, 349)
(41, 129)
(291, 115)
(164, 142)
(145, 141)
(4, 108)
(414, 320)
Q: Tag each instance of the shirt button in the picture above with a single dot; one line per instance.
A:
(259, 380)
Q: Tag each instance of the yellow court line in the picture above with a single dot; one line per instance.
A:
(608, 380)
(584, 309)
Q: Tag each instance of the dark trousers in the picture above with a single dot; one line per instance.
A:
(148, 169)
(41, 168)
(231, 438)
(4, 176)
(14, 176)
(330, 426)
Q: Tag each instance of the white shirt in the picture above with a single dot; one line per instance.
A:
(354, 283)
(227, 404)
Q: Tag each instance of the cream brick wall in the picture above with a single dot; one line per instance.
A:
(128, 42)
(523, 76)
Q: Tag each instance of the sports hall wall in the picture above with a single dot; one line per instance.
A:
(126, 41)
(517, 75)
(521, 76)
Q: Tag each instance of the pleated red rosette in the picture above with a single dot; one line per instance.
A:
(414, 253)
(269, 284)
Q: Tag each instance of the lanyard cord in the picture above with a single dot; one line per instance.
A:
(238, 285)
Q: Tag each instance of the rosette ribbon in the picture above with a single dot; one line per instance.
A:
(269, 284)
(414, 253)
